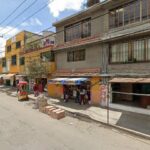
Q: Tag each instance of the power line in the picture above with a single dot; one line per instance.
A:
(12, 20)
(71, 27)
(36, 12)
(57, 31)
(12, 12)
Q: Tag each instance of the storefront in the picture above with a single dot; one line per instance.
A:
(131, 91)
(9, 80)
(90, 85)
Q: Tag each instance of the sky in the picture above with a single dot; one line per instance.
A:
(53, 11)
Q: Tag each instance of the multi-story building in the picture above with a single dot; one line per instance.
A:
(129, 51)
(1, 69)
(108, 39)
(78, 53)
(39, 50)
(11, 62)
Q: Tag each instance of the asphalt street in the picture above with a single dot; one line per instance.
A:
(24, 128)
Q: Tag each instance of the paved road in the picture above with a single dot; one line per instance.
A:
(23, 128)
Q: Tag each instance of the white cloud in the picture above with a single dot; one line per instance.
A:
(57, 6)
(11, 32)
(32, 22)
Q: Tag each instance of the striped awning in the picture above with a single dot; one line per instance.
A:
(68, 81)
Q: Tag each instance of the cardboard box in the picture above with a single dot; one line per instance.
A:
(50, 111)
(58, 114)
(47, 108)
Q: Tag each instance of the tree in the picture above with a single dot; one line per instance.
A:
(36, 69)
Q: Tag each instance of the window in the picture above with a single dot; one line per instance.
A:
(14, 60)
(78, 55)
(112, 19)
(129, 13)
(148, 50)
(138, 50)
(3, 62)
(18, 45)
(9, 48)
(78, 30)
(124, 52)
(47, 56)
(86, 26)
(22, 61)
(120, 52)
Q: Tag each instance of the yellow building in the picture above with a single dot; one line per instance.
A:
(44, 54)
(1, 69)
(14, 46)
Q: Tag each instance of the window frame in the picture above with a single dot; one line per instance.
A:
(22, 61)
(76, 30)
(132, 13)
(77, 55)
(18, 44)
(14, 61)
(9, 48)
(131, 52)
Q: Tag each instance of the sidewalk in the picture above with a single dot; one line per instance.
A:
(136, 123)
(122, 119)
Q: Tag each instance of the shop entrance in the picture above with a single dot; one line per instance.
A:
(132, 94)
(77, 93)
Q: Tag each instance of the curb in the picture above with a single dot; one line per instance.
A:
(89, 119)
(126, 130)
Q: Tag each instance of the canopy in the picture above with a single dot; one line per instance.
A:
(68, 81)
(8, 76)
(2, 75)
(130, 80)
(76, 81)
(20, 76)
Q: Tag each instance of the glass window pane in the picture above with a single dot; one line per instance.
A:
(138, 51)
(144, 9)
(126, 14)
(148, 50)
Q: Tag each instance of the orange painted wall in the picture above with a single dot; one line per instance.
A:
(19, 37)
(36, 55)
(1, 69)
(95, 90)
(55, 91)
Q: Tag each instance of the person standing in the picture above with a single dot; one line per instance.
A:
(75, 95)
(82, 95)
(36, 90)
(41, 87)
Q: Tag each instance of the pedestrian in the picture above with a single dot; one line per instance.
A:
(82, 96)
(75, 95)
(41, 88)
(36, 90)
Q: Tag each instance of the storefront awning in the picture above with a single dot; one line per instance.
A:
(20, 76)
(57, 81)
(130, 80)
(67, 81)
(8, 76)
(76, 81)
(2, 75)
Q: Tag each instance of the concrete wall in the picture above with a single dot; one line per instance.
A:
(92, 60)
(99, 25)
(139, 68)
